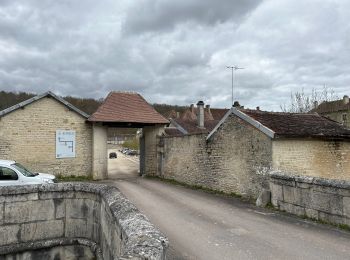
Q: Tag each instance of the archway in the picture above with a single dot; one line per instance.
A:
(126, 110)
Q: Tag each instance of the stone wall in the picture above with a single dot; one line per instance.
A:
(338, 116)
(234, 160)
(317, 198)
(44, 217)
(150, 134)
(319, 158)
(28, 136)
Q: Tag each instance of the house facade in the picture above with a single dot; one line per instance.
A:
(29, 134)
(338, 110)
(236, 154)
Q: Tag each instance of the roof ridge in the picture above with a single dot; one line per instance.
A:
(124, 92)
(38, 97)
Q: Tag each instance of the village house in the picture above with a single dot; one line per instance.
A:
(338, 110)
(234, 154)
(48, 134)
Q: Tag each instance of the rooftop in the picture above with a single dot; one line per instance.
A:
(333, 106)
(299, 124)
(127, 107)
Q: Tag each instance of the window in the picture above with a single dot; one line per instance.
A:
(345, 118)
(6, 174)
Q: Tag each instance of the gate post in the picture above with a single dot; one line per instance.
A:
(99, 151)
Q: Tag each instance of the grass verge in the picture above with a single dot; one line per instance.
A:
(62, 178)
(197, 187)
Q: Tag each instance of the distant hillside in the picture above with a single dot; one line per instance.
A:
(165, 109)
(8, 99)
(88, 105)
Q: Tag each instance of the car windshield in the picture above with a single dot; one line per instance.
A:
(23, 170)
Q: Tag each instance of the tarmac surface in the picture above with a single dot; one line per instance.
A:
(204, 226)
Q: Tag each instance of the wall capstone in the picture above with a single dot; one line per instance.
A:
(92, 215)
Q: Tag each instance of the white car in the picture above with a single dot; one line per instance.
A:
(13, 173)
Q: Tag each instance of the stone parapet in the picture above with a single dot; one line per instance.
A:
(318, 198)
(93, 216)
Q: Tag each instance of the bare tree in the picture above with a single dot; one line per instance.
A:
(301, 102)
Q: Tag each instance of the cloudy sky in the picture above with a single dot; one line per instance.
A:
(176, 52)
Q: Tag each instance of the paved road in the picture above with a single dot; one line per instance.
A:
(205, 226)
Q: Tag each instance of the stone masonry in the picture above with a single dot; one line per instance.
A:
(319, 158)
(317, 198)
(234, 160)
(27, 135)
(44, 217)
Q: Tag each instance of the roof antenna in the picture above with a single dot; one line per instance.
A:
(233, 69)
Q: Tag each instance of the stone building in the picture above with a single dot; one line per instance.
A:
(338, 110)
(48, 134)
(29, 134)
(234, 155)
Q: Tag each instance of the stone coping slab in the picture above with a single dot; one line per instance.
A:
(141, 240)
(342, 184)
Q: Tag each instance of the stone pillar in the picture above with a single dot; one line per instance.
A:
(99, 151)
(150, 134)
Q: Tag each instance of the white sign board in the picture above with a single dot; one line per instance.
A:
(65, 144)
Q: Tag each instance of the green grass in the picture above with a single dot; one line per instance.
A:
(196, 187)
(318, 221)
(132, 144)
(62, 178)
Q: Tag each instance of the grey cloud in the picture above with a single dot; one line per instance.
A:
(78, 48)
(162, 15)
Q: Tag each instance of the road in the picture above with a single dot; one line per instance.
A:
(204, 226)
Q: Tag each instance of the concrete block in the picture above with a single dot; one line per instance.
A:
(42, 230)
(77, 208)
(331, 203)
(9, 234)
(22, 212)
(77, 228)
(311, 213)
(56, 195)
(293, 209)
(276, 193)
(346, 206)
(60, 208)
(19, 197)
(331, 218)
(264, 198)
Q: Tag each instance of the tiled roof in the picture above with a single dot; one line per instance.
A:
(127, 107)
(191, 126)
(332, 106)
(299, 125)
(218, 113)
(171, 131)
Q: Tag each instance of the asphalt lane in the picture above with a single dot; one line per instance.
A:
(206, 226)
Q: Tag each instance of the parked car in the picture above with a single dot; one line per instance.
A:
(132, 152)
(13, 173)
(112, 155)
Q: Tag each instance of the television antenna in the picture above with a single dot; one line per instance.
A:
(233, 70)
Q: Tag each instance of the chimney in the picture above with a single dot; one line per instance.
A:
(315, 104)
(208, 108)
(200, 114)
(192, 108)
(346, 99)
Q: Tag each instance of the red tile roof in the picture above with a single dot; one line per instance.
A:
(127, 107)
(218, 113)
(191, 125)
(299, 124)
